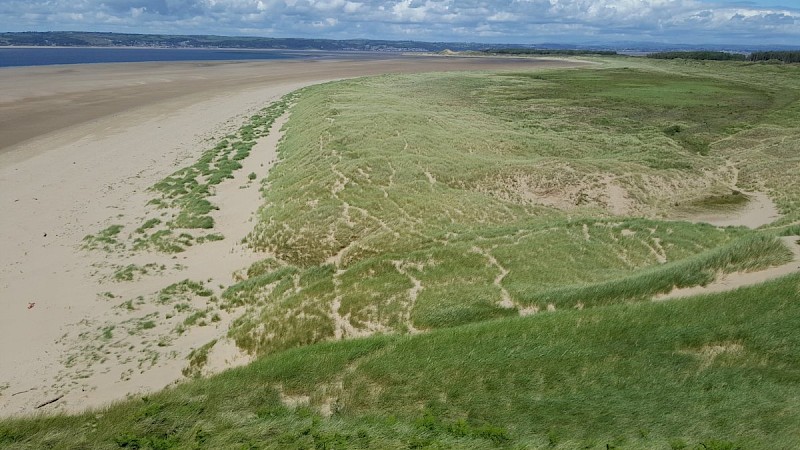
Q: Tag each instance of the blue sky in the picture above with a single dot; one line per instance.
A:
(506, 21)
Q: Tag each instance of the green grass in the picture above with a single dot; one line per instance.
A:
(133, 271)
(183, 291)
(105, 240)
(408, 159)
(491, 186)
(197, 360)
(430, 211)
(710, 370)
(731, 200)
(744, 255)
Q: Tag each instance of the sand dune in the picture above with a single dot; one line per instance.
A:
(79, 146)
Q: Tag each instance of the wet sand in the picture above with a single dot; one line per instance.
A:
(38, 100)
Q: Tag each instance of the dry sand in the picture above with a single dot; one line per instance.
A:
(736, 280)
(79, 146)
(760, 210)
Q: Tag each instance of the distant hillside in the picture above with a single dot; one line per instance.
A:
(83, 39)
(102, 39)
(543, 51)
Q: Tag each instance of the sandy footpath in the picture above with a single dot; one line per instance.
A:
(736, 280)
(79, 146)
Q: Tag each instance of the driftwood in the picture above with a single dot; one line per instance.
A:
(50, 401)
(22, 392)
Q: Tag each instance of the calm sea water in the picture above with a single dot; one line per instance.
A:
(43, 56)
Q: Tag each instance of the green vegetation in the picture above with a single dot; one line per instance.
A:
(712, 372)
(105, 240)
(784, 56)
(186, 191)
(183, 291)
(133, 271)
(413, 219)
(438, 200)
(701, 55)
(197, 360)
(773, 55)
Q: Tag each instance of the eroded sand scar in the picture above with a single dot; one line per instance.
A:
(760, 210)
(735, 280)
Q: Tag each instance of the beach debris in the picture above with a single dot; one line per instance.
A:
(22, 392)
(31, 305)
(40, 405)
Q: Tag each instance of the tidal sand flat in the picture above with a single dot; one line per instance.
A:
(79, 148)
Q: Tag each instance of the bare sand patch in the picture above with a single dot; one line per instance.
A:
(759, 210)
(708, 353)
(735, 280)
(562, 187)
(79, 146)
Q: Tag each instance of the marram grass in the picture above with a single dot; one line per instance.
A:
(430, 210)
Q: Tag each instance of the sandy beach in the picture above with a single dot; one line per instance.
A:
(79, 147)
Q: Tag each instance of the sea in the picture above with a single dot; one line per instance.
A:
(44, 56)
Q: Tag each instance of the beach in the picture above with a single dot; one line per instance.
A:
(80, 146)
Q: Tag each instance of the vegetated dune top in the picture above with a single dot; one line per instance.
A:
(42, 99)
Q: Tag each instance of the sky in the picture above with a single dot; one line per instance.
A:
(506, 21)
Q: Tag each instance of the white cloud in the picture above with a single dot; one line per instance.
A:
(352, 7)
(502, 21)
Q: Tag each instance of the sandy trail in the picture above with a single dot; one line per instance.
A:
(731, 281)
(79, 146)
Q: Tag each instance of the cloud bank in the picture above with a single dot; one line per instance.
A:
(510, 21)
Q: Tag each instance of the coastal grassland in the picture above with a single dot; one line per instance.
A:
(412, 219)
(399, 161)
(764, 149)
(715, 372)
(404, 203)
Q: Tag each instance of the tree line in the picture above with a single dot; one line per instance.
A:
(784, 56)
(702, 55)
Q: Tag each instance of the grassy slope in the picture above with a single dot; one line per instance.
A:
(716, 370)
(422, 201)
(414, 202)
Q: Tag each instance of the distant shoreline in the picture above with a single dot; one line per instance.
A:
(25, 56)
